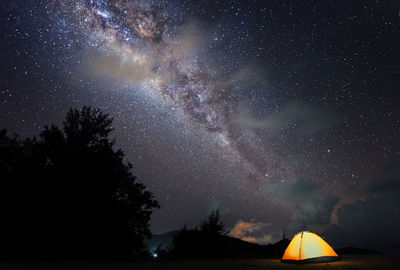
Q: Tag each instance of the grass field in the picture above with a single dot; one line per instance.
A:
(371, 262)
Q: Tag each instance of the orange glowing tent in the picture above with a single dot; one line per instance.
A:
(308, 247)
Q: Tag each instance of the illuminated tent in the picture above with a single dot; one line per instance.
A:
(308, 247)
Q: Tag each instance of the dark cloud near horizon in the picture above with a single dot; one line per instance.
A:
(311, 206)
(375, 221)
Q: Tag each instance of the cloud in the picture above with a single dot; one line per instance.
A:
(247, 76)
(308, 119)
(251, 232)
(375, 221)
(192, 38)
(311, 206)
(135, 67)
(213, 205)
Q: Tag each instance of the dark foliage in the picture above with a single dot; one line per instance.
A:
(211, 241)
(69, 194)
(213, 224)
(196, 244)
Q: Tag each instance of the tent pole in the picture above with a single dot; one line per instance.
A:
(301, 242)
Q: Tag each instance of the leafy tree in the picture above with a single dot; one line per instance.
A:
(69, 194)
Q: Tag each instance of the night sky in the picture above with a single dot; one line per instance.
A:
(285, 115)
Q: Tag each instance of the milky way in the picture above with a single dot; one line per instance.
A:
(142, 43)
(282, 114)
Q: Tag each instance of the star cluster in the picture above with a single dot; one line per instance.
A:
(237, 105)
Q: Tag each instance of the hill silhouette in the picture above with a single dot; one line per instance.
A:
(195, 244)
(213, 241)
(357, 251)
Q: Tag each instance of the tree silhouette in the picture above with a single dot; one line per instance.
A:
(212, 241)
(213, 224)
(204, 243)
(69, 194)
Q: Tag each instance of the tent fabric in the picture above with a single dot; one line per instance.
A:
(308, 247)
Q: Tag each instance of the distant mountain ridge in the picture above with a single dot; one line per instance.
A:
(357, 251)
(232, 247)
(237, 248)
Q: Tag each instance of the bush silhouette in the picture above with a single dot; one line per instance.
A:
(69, 194)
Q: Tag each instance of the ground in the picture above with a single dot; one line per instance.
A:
(371, 262)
